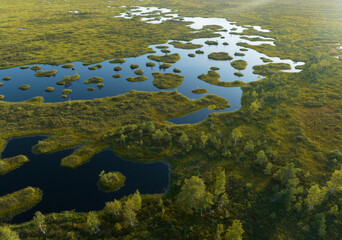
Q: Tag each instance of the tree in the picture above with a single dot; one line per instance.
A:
(93, 222)
(113, 208)
(220, 183)
(7, 234)
(158, 135)
(315, 196)
(129, 213)
(219, 231)
(136, 198)
(204, 139)
(148, 126)
(235, 231)
(39, 221)
(193, 195)
(335, 181)
(183, 140)
(236, 135)
(262, 159)
(255, 106)
(286, 173)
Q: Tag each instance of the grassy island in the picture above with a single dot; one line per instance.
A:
(9, 164)
(199, 90)
(47, 73)
(118, 60)
(167, 80)
(137, 79)
(93, 80)
(24, 87)
(68, 79)
(186, 45)
(239, 64)
(221, 56)
(214, 78)
(169, 58)
(111, 181)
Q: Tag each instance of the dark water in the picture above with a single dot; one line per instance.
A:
(67, 189)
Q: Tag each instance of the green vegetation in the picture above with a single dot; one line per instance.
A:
(239, 54)
(19, 202)
(162, 47)
(192, 55)
(1, 84)
(36, 68)
(111, 181)
(199, 52)
(214, 68)
(68, 79)
(270, 68)
(49, 89)
(117, 76)
(176, 70)
(47, 73)
(117, 68)
(225, 44)
(24, 87)
(6, 78)
(100, 85)
(239, 64)
(150, 64)
(199, 90)
(95, 67)
(69, 65)
(214, 78)
(9, 164)
(165, 66)
(24, 67)
(165, 51)
(139, 72)
(186, 45)
(90, 89)
(2, 97)
(66, 91)
(266, 60)
(137, 79)
(64, 96)
(238, 74)
(93, 80)
(221, 56)
(209, 42)
(167, 80)
(117, 60)
(134, 66)
(169, 58)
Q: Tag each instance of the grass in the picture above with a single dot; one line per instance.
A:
(100, 85)
(150, 64)
(169, 58)
(117, 68)
(266, 60)
(199, 52)
(165, 66)
(186, 45)
(239, 54)
(137, 79)
(47, 73)
(111, 181)
(68, 79)
(270, 68)
(2, 97)
(6, 78)
(69, 65)
(214, 68)
(90, 89)
(238, 74)
(24, 87)
(210, 43)
(36, 68)
(225, 44)
(192, 55)
(167, 80)
(220, 56)
(24, 67)
(18, 202)
(239, 64)
(214, 78)
(165, 51)
(49, 89)
(134, 66)
(139, 72)
(9, 164)
(95, 67)
(1, 84)
(118, 60)
(176, 70)
(66, 91)
(93, 80)
(117, 76)
(199, 91)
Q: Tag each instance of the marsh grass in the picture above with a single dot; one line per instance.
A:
(49, 89)
(68, 79)
(169, 58)
(176, 70)
(117, 76)
(186, 45)
(192, 55)
(9, 164)
(220, 56)
(47, 73)
(239, 54)
(199, 91)
(199, 52)
(118, 60)
(2, 97)
(211, 43)
(134, 66)
(167, 80)
(165, 66)
(239, 64)
(137, 79)
(36, 68)
(117, 68)
(24, 67)
(6, 78)
(150, 64)
(90, 89)
(69, 65)
(214, 78)
(139, 72)
(24, 87)
(111, 181)
(93, 80)
(66, 91)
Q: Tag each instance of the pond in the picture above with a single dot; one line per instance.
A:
(191, 68)
(67, 189)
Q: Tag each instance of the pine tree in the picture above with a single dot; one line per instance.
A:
(315, 196)
(235, 231)
(93, 222)
(220, 183)
(129, 213)
(236, 135)
(113, 208)
(39, 221)
(335, 182)
(7, 234)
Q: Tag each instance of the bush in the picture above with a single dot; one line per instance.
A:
(220, 56)
(24, 87)
(111, 181)
(49, 89)
(93, 80)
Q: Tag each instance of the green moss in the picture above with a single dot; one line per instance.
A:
(49, 89)
(66, 91)
(6, 78)
(192, 55)
(139, 72)
(100, 85)
(2, 97)
(238, 74)
(176, 70)
(90, 89)
(111, 181)
(150, 64)
(93, 67)
(137, 79)
(243, 49)
(170, 58)
(69, 65)
(186, 45)
(266, 60)
(199, 52)
(165, 51)
(134, 66)
(36, 68)
(165, 66)
(47, 73)
(162, 47)
(9, 164)
(221, 56)
(239, 64)
(167, 80)
(214, 68)
(270, 68)
(199, 90)
(93, 80)
(225, 44)
(24, 67)
(239, 54)
(24, 87)
(210, 42)
(213, 78)
(64, 96)
(117, 76)
(1, 84)
(68, 79)
(117, 68)
(117, 60)
(18, 202)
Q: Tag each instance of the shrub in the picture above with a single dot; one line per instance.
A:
(49, 89)
(117, 60)
(6, 78)
(220, 56)
(47, 73)
(66, 91)
(93, 80)
(24, 87)
(117, 68)
(111, 181)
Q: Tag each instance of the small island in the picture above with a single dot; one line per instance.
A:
(111, 181)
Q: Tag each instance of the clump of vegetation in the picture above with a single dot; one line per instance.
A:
(111, 181)
(68, 79)
(225, 43)
(67, 91)
(6, 78)
(117, 76)
(24, 87)
(64, 96)
(169, 58)
(239, 54)
(69, 65)
(134, 66)
(137, 79)
(117, 68)
(239, 64)
(90, 89)
(2, 97)
(199, 90)
(266, 60)
(214, 68)
(95, 67)
(243, 49)
(18, 202)
(165, 51)
(9, 164)
(162, 47)
(186, 45)
(192, 55)
(47, 73)
(117, 60)
(139, 72)
(221, 56)
(199, 52)
(238, 74)
(214, 78)
(49, 89)
(100, 85)
(93, 80)
(36, 68)
(165, 66)
(24, 67)
(176, 70)
(210, 42)
(270, 68)
(150, 64)
(167, 80)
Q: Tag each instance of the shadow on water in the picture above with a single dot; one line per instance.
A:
(67, 189)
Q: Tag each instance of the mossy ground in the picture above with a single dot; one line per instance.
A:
(221, 56)
(9, 164)
(68, 79)
(239, 64)
(199, 90)
(93, 80)
(167, 80)
(186, 45)
(213, 78)
(47, 73)
(169, 58)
